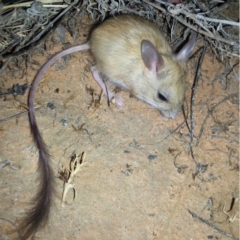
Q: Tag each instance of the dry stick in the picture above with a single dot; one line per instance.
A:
(201, 5)
(4, 163)
(209, 113)
(30, 44)
(185, 115)
(216, 10)
(4, 237)
(17, 115)
(51, 23)
(28, 4)
(6, 220)
(172, 132)
(212, 226)
(190, 26)
(214, 20)
(5, 64)
(178, 10)
(234, 72)
(194, 89)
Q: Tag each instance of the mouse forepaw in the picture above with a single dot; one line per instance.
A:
(118, 101)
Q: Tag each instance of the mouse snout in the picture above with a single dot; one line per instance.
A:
(170, 113)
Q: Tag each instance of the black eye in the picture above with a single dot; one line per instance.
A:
(161, 97)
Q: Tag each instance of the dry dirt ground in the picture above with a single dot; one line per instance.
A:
(139, 180)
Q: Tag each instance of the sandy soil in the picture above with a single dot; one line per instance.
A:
(140, 180)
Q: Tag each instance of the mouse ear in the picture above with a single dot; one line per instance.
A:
(187, 49)
(151, 57)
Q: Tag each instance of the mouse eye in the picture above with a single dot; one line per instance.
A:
(161, 97)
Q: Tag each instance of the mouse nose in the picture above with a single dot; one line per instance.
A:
(171, 113)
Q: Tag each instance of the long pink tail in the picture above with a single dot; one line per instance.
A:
(38, 215)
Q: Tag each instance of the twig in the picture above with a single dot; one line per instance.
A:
(192, 27)
(4, 163)
(180, 9)
(6, 220)
(173, 131)
(42, 33)
(210, 112)
(194, 90)
(5, 64)
(185, 116)
(17, 115)
(52, 22)
(28, 4)
(216, 20)
(234, 72)
(177, 10)
(5, 237)
(212, 226)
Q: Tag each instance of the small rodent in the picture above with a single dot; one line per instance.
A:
(134, 55)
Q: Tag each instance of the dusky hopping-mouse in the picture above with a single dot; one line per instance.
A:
(131, 53)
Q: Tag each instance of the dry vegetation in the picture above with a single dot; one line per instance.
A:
(27, 29)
